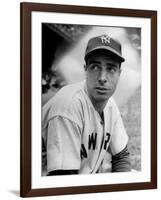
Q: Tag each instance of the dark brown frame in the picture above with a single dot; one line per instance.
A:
(26, 84)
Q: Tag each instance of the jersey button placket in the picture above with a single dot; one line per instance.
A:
(101, 122)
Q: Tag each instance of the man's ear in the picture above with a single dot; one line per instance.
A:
(85, 67)
(120, 70)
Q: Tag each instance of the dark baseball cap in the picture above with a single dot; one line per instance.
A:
(104, 42)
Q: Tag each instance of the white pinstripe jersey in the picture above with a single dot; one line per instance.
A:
(75, 135)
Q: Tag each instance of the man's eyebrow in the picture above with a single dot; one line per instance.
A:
(112, 64)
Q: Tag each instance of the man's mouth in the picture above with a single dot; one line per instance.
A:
(102, 89)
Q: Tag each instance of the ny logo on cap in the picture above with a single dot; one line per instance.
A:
(105, 39)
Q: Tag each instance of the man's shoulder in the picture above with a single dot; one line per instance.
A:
(65, 102)
(113, 107)
(112, 103)
(67, 94)
(71, 89)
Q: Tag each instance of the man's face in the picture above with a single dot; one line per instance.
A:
(102, 75)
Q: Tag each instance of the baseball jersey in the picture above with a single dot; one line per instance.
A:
(76, 137)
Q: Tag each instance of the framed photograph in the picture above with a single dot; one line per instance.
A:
(88, 99)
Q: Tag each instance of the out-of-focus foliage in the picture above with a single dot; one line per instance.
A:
(131, 115)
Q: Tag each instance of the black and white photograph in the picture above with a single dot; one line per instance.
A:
(91, 99)
(88, 99)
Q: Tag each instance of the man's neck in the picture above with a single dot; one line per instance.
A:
(99, 106)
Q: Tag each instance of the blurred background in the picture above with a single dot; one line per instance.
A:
(63, 49)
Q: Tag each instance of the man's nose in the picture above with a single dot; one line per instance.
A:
(102, 77)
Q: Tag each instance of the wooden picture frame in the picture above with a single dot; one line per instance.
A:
(26, 189)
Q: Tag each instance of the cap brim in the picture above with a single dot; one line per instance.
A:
(107, 48)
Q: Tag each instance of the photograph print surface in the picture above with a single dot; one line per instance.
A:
(63, 52)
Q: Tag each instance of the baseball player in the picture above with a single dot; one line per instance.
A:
(82, 127)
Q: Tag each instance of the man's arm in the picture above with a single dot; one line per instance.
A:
(63, 147)
(121, 161)
(119, 149)
(62, 172)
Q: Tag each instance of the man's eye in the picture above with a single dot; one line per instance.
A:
(111, 69)
(94, 67)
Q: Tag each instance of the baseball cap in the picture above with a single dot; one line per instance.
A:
(104, 42)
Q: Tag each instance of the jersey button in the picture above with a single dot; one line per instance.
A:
(101, 122)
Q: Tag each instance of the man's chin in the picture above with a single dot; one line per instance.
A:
(101, 97)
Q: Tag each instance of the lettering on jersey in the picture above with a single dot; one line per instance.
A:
(92, 141)
(83, 151)
(107, 139)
